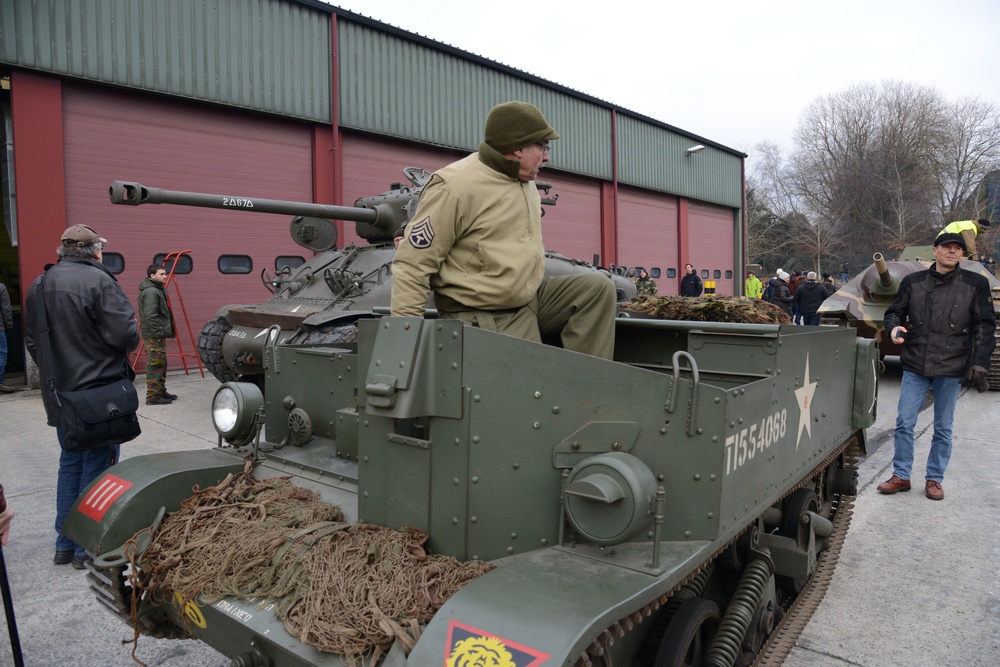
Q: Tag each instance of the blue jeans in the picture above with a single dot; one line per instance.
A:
(811, 320)
(912, 392)
(3, 354)
(76, 471)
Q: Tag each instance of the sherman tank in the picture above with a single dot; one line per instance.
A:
(862, 302)
(665, 507)
(320, 300)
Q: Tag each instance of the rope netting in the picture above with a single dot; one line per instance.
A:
(351, 589)
(710, 309)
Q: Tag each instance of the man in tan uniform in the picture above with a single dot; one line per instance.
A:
(476, 241)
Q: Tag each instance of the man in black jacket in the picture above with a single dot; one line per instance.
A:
(691, 284)
(92, 329)
(809, 296)
(944, 319)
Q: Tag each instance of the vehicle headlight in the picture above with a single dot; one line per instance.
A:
(233, 410)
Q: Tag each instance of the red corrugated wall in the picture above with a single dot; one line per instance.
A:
(166, 143)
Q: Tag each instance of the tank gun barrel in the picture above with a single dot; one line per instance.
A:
(884, 277)
(136, 194)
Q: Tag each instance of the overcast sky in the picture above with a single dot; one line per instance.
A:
(735, 72)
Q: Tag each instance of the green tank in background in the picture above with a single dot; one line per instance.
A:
(320, 301)
(662, 508)
(862, 302)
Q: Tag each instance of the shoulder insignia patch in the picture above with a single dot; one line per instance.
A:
(421, 233)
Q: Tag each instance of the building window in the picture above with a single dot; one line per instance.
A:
(729, 274)
(655, 272)
(235, 264)
(114, 261)
(704, 273)
(717, 274)
(184, 266)
(671, 273)
(291, 262)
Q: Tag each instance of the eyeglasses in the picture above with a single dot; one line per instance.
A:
(545, 147)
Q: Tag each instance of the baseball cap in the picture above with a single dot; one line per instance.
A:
(80, 236)
(949, 237)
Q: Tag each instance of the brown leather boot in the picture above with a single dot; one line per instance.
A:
(933, 490)
(894, 484)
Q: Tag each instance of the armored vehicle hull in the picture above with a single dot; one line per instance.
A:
(862, 302)
(645, 510)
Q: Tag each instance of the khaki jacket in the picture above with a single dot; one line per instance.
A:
(475, 240)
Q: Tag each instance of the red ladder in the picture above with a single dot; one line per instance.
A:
(172, 258)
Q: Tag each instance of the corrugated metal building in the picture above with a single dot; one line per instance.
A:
(296, 99)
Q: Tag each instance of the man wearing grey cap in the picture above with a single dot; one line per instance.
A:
(943, 317)
(809, 296)
(476, 241)
(91, 330)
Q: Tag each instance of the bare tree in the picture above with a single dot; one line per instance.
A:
(970, 152)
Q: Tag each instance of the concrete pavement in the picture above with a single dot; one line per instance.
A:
(918, 581)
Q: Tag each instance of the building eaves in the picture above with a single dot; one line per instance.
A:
(527, 76)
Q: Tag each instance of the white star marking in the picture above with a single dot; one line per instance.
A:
(804, 395)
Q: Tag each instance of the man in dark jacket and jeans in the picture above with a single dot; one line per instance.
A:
(157, 323)
(944, 319)
(92, 329)
(809, 296)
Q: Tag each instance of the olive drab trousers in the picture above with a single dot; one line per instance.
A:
(579, 309)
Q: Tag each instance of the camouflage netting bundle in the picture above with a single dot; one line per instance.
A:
(710, 309)
(347, 589)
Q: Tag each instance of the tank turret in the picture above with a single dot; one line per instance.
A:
(320, 301)
(862, 302)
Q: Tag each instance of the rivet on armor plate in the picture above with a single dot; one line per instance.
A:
(544, 541)
(575, 446)
(475, 479)
(454, 366)
(378, 362)
(402, 364)
(510, 550)
(516, 466)
(697, 477)
(663, 430)
(475, 439)
(687, 533)
(455, 481)
(365, 459)
(711, 515)
(718, 400)
(536, 425)
(365, 494)
(477, 398)
(513, 536)
(700, 431)
(473, 519)
(454, 520)
(555, 409)
(406, 326)
(715, 438)
(454, 334)
(538, 394)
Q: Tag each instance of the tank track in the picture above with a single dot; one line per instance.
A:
(994, 374)
(110, 588)
(796, 616)
(210, 348)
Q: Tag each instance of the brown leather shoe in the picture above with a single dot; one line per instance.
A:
(933, 490)
(894, 484)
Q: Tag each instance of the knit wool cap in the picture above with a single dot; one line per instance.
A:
(81, 236)
(783, 275)
(949, 237)
(513, 125)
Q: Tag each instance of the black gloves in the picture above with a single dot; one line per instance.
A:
(976, 377)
